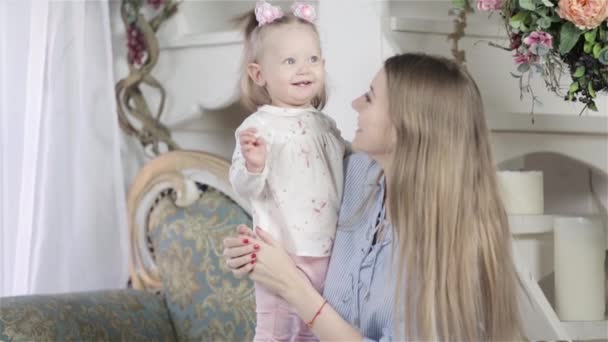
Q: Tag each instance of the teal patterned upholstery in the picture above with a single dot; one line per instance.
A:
(201, 300)
(126, 315)
(205, 301)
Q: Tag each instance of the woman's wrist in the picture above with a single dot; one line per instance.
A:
(296, 287)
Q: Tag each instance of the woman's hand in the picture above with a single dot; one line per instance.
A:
(274, 268)
(269, 264)
(240, 251)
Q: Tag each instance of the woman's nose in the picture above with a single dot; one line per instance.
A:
(355, 103)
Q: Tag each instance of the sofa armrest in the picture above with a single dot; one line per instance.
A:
(126, 315)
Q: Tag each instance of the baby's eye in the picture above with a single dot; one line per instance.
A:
(314, 59)
(289, 61)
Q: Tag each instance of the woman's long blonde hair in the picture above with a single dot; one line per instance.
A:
(457, 280)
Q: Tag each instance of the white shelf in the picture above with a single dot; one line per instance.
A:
(548, 123)
(204, 40)
(580, 138)
(487, 29)
(589, 330)
(530, 224)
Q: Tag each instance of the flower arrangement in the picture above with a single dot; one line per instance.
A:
(551, 37)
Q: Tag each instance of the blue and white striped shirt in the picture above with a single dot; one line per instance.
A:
(359, 285)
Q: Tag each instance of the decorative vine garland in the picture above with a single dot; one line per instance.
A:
(142, 57)
(460, 23)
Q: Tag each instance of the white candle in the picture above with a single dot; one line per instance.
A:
(522, 192)
(579, 269)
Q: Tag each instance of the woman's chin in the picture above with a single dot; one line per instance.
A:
(355, 145)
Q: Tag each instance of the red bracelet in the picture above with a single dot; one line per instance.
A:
(312, 321)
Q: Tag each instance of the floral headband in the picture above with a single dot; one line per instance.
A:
(265, 13)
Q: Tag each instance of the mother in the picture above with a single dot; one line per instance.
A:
(423, 248)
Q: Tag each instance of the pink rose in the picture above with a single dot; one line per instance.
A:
(585, 14)
(304, 11)
(539, 37)
(265, 13)
(489, 5)
(524, 58)
(521, 58)
(539, 43)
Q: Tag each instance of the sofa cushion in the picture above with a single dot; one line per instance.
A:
(205, 301)
(118, 315)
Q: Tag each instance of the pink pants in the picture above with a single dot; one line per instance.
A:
(276, 319)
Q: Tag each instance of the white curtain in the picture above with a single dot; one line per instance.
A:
(62, 204)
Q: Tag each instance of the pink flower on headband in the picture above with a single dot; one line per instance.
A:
(265, 13)
(304, 11)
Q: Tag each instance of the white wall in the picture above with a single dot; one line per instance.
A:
(351, 34)
(201, 75)
(199, 68)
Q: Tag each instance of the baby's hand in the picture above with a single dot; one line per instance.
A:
(253, 149)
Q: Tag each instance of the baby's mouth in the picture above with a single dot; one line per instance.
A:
(302, 83)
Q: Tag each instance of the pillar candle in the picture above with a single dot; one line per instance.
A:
(522, 192)
(579, 269)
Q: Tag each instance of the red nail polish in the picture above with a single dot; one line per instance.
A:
(245, 241)
(252, 262)
(253, 256)
(256, 246)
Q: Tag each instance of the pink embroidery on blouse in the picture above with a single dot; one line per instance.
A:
(321, 206)
(306, 155)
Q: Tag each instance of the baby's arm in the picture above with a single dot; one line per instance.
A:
(248, 171)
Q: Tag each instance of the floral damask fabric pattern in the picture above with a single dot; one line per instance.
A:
(126, 315)
(206, 302)
(201, 300)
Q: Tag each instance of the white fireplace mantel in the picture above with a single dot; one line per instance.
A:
(582, 138)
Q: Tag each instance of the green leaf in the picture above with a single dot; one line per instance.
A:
(580, 72)
(592, 106)
(603, 34)
(603, 58)
(568, 37)
(540, 49)
(547, 3)
(544, 23)
(527, 4)
(543, 12)
(591, 90)
(524, 28)
(522, 68)
(460, 3)
(588, 47)
(590, 36)
(518, 19)
(573, 88)
(597, 48)
(556, 18)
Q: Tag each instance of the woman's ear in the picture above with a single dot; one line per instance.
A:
(255, 73)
